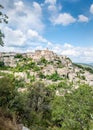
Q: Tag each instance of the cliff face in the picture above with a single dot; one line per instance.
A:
(45, 65)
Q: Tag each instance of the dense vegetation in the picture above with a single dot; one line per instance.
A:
(55, 106)
(38, 107)
(84, 67)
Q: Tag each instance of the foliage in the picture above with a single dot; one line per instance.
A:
(39, 98)
(18, 56)
(39, 108)
(9, 108)
(78, 65)
(7, 91)
(83, 77)
(1, 64)
(54, 77)
(74, 110)
(58, 63)
(43, 61)
(26, 66)
(68, 59)
(32, 78)
(53, 86)
(64, 85)
(4, 67)
(89, 69)
(36, 68)
(6, 120)
(19, 83)
(84, 67)
(41, 75)
(3, 18)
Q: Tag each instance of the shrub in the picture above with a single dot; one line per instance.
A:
(89, 69)
(2, 64)
(41, 75)
(73, 111)
(7, 91)
(54, 77)
(18, 56)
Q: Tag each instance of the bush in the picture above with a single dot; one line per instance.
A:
(19, 83)
(43, 60)
(54, 77)
(73, 110)
(89, 69)
(2, 64)
(7, 91)
(18, 56)
(78, 65)
(39, 99)
(41, 75)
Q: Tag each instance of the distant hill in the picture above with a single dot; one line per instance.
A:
(91, 64)
(86, 64)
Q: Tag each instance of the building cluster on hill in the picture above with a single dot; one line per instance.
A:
(49, 65)
(9, 57)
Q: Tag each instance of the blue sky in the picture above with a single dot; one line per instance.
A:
(63, 26)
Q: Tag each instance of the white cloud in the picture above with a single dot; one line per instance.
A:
(70, 51)
(89, 52)
(59, 18)
(17, 38)
(14, 37)
(67, 45)
(33, 35)
(19, 5)
(76, 53)
(56, 17)
(37, 9)
(11, 49)
(64, 19)
(52, 8)
(82, 18)
(91, 8)
(50, 1)
(24, 17)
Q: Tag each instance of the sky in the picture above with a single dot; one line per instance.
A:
(63, 26)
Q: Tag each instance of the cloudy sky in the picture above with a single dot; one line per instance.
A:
(64, 26)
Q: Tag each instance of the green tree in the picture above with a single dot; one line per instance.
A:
(39, 99)
(2, 64)
(54, 77)
(3, 19)
(7, 98)
(73, 111)
(7, 92)
(18, 56)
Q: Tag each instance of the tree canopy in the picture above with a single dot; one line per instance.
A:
(74, 110)
(3, 19)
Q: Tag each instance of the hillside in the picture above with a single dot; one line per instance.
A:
(44, 65)
(86, 65)
(46, 91)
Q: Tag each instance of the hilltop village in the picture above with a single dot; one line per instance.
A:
(45, 63)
